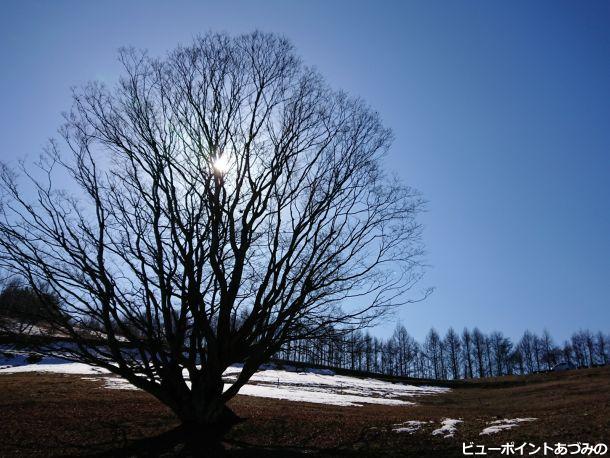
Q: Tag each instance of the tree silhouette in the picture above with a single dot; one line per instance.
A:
(223, 203)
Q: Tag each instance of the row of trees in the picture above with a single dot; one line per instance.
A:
(469, 354)
(452, 356)
(20, 302)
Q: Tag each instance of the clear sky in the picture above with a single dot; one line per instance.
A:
(501, 112)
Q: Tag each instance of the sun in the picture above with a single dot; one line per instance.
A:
(221, 164)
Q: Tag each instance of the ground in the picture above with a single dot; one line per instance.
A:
(54, 414)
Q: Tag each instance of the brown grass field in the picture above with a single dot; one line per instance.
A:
(64, 415)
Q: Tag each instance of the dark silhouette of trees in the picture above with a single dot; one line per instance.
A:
(478, 342)
(26, 305)
(549, 350)
(433, 350)
(501, 351)
(601, 352)
(567, 354)
(491, 355)
(453, 346)
(407, 350)
(227, 204)
(467, 352)
(527, 350)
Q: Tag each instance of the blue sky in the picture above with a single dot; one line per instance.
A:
(501, 112)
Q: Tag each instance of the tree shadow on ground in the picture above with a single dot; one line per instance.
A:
(174, 443)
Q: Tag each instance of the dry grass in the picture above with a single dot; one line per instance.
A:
(51, 415)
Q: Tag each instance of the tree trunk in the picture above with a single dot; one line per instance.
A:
(205, 418)
(204, 436)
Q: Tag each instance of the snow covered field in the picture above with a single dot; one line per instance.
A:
(316, 386)
(326, 388)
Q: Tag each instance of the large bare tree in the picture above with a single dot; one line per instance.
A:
(213, 206)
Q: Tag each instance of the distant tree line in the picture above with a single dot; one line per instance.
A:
(19, 301)
(469, 354)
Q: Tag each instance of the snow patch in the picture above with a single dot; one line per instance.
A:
(113, 383)
(302, 394)
(65, 368)
(448, 427)
(322, 386)
(410, 426)
(319, 386)
(504, 424)
(337, 383)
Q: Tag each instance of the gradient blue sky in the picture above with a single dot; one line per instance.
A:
(501, 112)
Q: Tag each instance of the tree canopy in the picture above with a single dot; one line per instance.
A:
(222, 201)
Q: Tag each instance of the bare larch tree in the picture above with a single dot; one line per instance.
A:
(213, 206)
